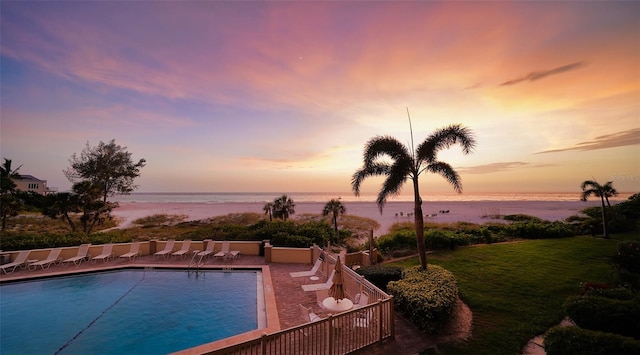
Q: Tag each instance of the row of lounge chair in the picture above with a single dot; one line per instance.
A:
(225, 252)
(107, 254)
(54, 257)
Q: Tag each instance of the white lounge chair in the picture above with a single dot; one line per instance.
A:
(364, 319)
(54, 257)
(361, 300)
(225, 253)
(208, 251)
(106, 255)
(83, 254)
(21, 260)
(320, 286)
(186, 245)
(168, 248)
(134, 251)
(308, 314)
(311, 272)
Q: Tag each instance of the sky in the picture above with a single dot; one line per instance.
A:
(221, 96)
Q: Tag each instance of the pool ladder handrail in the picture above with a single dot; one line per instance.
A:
(193, 261)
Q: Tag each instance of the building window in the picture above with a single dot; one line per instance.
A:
(33, 186)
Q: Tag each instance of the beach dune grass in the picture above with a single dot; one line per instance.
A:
(516, 290)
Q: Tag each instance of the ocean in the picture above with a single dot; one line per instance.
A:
(263, 197)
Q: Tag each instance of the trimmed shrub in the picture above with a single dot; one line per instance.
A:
(380, 275)
(578, 341)
(605, 314)
(291, 241)
(426, 297)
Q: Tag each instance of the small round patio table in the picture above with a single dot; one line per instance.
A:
(331, 304)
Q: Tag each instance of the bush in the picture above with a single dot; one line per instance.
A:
(605, 314)
(381, 275)
(614, 293)
(292, 241)
(521, 218)
(426, 297)
(539, 230)
(629, 279)
(577, 341)
(628, 256)
(402, 240)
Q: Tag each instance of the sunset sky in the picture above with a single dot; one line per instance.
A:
(282, 96)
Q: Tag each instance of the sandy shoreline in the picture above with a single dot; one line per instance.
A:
(467, 211)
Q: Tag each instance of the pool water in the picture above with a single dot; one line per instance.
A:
(124, 312)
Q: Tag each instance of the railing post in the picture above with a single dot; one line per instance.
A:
(379, 315)
(267, 252)
(330, 334)
(392, 322)
(263, 343)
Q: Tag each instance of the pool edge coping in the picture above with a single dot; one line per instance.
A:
(271, 309)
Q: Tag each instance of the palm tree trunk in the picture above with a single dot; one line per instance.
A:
(605, 232)
(335, 222)
(419, 222)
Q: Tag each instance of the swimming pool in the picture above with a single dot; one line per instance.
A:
(128, 311)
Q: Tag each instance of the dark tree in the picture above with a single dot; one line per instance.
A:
(335, 208)
(592, 187)
(283, 207)
(268, 209)
(62, 204)
(108, 167)
(10, 204)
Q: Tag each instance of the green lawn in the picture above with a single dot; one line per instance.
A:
(516, 290)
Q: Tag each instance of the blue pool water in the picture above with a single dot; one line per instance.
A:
(125, 312)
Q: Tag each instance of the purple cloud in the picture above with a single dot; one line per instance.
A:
(536, 75)
(618, 139)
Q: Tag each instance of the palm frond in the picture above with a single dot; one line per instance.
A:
(374, 169)
(396, 177)
(384, 145)
(446, 171)
(443, 139)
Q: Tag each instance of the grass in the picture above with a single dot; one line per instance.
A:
(516, 290)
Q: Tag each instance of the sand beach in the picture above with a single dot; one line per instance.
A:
(393, 212)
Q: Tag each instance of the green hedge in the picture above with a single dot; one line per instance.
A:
(25, 241)
(427, 297)
(605, 314)
(291, 241)
(578, 341)
(539, 230)
(380, 275)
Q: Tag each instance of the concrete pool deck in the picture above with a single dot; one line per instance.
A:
(287, 290)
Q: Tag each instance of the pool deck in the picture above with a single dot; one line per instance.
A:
(287, 290)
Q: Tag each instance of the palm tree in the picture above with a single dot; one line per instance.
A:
(609, 191)
(336, 208)
(592, 187)
(268, 209)
(6, 176)
(283, 207)
(405, 164)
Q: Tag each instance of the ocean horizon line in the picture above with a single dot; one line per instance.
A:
(302, 197)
